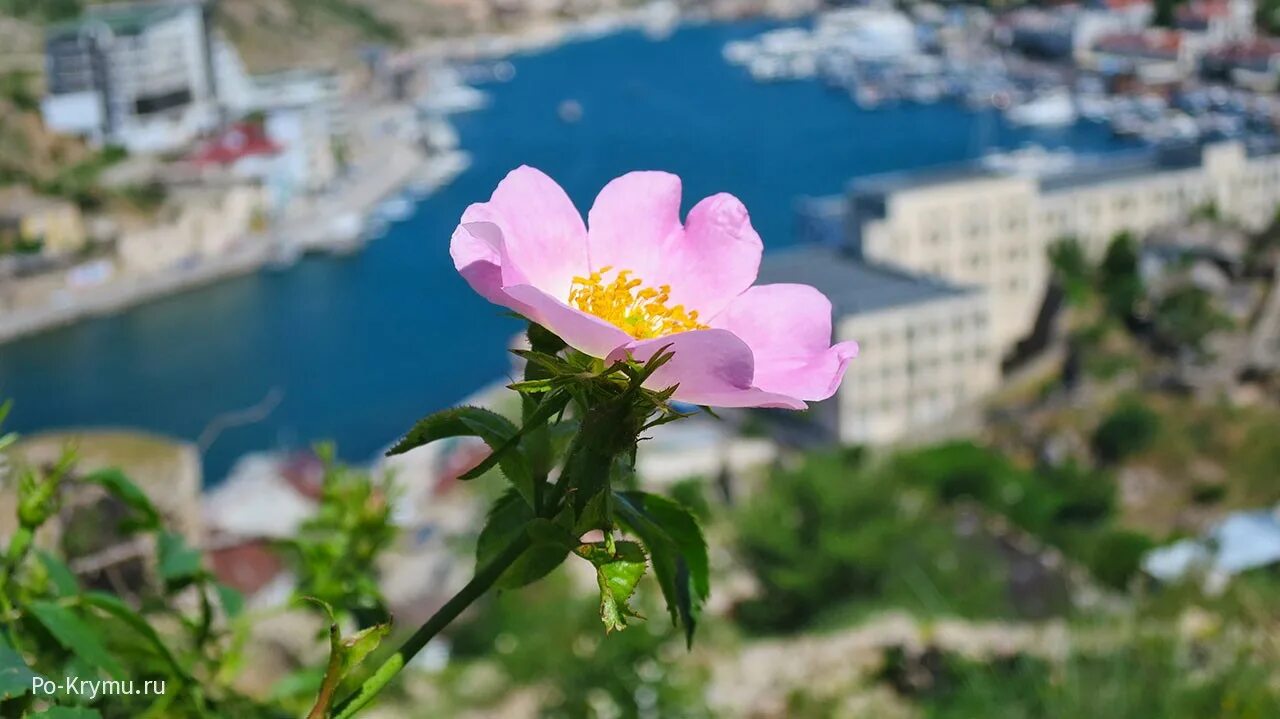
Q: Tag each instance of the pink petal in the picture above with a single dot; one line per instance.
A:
(635, 225)
(476, 252)
(578, 329)
(788, 328)
(716, 258)
(634, 218)
(712, 367)
(542, 233)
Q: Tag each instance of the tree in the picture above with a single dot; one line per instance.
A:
(1128, 430)
(1118, 277)
(1071, 269)
(1185, 318)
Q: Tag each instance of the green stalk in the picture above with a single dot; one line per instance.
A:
(476, 588)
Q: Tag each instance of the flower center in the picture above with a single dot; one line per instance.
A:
(628, 304)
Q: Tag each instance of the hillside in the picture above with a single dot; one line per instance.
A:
(272, 34)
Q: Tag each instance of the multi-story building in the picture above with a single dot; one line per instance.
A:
(140, 75)
(989, 224)
(927, 349)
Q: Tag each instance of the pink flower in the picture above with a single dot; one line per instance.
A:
(639, 280)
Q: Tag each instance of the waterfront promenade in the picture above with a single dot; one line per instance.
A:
(333, 221)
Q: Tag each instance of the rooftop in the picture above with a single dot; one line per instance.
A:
(853, 285)
(1053, 171)
(891, 182)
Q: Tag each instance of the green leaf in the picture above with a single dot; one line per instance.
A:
(114, 606)
(345, 654)
(179, 563)
(677, 549)
(548, 407)
(230, 598)
(122, 488)
(357, 647)
(497, 431)
(509, 517)
(15, 676)
(456, 422)
(76, 635)
(70, 713)
(597, 514)
(61, 577)
(619, 568)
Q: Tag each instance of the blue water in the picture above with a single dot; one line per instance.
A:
(363, 346)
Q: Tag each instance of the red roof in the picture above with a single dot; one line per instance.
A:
(1123, 4)
(1203, 10)
(246, 567)
(235, 143)
(1147, 44)
(1258, 50)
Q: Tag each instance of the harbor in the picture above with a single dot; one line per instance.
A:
(394, 326)
(880, 56)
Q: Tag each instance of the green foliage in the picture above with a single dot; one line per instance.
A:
(57, 626)
(547, 636)
(619, 567)
(1068, 507)
(42, 10)
(1186, 317)
(1117, 555)
(510, 520)
(1118, 277)
(678, 550)
(335, 551)
(15, 86)
(1152, 677)
(1072, 269)
(346, 654)
(832, 533)
(352, 14)
(1129, 429)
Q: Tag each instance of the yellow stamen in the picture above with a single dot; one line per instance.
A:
(628, 304)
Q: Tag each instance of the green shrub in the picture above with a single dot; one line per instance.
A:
(1126, 431)
(1116, 556)
(832, 533)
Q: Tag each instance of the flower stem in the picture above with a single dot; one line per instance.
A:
(479, 584)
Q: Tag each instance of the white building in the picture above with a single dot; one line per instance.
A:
(141, 75)
(927, 349)
(1069, 31)
(990, 226)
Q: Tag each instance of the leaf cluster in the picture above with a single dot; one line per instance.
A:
(570, 464)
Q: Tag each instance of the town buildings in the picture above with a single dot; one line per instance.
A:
(202, 223)
(927, 345)
(55, 224)
(990, 224)
(140, 75)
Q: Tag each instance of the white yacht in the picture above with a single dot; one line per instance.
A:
(1053, 109)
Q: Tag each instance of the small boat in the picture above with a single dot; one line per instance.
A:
(1053, 109)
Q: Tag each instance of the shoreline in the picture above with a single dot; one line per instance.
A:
(338, 230)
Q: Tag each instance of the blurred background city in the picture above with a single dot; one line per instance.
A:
(1046, 488)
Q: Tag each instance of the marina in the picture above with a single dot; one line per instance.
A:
(881, 56)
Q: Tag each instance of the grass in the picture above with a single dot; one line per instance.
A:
(1147, 676)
